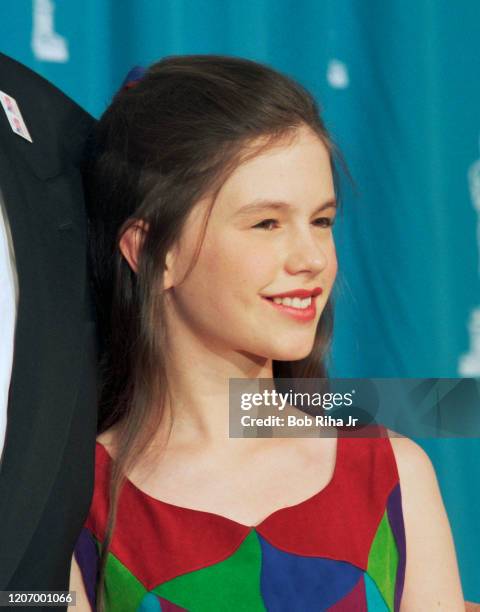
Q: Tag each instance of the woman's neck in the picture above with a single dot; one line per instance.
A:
(198, 380)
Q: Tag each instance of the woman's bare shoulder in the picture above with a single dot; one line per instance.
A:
(107, 438)
(418, 480)
(413, 463)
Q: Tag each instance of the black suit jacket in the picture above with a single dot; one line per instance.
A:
(46, 476)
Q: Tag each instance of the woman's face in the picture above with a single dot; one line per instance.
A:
(269, 234)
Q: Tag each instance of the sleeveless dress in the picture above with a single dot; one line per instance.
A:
(341, 550)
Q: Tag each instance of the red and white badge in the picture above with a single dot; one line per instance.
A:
(14, 116)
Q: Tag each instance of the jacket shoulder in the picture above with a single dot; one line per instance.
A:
(16, 78)
(55, 121)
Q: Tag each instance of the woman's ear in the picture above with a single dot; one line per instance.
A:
(169, 272)
(131, 242)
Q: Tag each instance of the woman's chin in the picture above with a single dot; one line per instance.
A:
(290, 353)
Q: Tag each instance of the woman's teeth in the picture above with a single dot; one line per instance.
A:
(293, 302)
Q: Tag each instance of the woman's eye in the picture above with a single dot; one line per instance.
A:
(325, 221)
(270, 224)
(267, 224)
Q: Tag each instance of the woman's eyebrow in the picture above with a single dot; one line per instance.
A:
(264, 205)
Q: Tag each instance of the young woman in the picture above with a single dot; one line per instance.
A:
(212, 200)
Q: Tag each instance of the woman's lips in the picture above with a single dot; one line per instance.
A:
(300, 293)
(300, 314)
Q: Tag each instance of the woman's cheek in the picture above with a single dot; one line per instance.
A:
(332, 266)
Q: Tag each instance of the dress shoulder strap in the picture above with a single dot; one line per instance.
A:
(369, 456)
(97, 516)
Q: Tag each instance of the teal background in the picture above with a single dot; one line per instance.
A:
(408, 125)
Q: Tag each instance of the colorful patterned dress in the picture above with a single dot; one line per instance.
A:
(342, 549)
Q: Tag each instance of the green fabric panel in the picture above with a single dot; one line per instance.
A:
(123, 592)
(375, 602)
(383, 561)
(216, 587)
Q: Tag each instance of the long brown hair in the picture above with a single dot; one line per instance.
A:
(158, 149)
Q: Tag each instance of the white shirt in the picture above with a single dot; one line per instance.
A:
(8, 315)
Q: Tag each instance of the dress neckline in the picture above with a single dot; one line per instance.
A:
(161, 503)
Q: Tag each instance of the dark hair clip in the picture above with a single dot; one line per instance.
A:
(135, 75)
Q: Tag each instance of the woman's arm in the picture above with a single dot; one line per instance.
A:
(432, 581)
(76, 584)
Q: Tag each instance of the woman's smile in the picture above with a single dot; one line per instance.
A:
(301, 310)
(298, 304)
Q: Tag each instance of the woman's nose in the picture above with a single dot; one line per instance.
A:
(306, 254)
